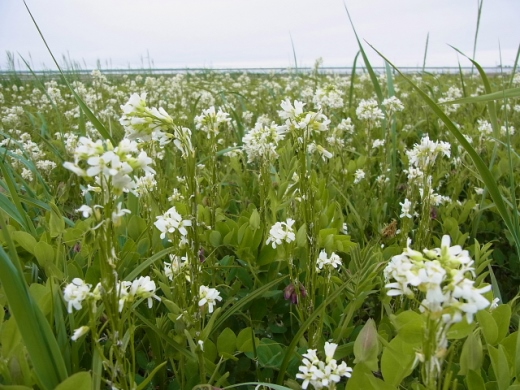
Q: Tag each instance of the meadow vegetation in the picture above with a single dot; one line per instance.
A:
(298, 230)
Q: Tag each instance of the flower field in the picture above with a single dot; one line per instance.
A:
(284, 231)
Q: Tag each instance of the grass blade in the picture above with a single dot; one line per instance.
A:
(90, 115)
(370, 70)
(39, 340)
(425, 51)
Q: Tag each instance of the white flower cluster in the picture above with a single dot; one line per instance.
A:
(280, 232)
(261, 142)
(78, 291)
(176, 266)
(143, 123)
(208, 296)
(110, 167)
(328, 96)
(319, 374)
(298, 121)
(369, 111)
(453, 93)
(210, 121)
(440, 275)
(423, 155)
(392, 105)
(170, 222)
(334, 261)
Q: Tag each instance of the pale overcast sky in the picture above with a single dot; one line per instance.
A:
(257, 33)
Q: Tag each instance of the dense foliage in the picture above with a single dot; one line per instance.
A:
(311, 230)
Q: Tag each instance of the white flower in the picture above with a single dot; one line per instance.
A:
(208, 296)
(369, 111)
(144, 287)
(79, 332)
(119, 213)
(280, 232)
(393, 105)
(323, 261)
(359, 175)
(75, 293)
(406, 207)
(170, 222)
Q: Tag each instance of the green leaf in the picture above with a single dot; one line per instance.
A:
(46, 358)
(488, 326)
(56, 221)
(227, 341)
(366, 346)
(502, 317)
(25, 240)
(245, 341)
(474, 381)
(471, 357)
(254, 220)
(510, 93)
(79, 381)
(215, 238)
(301, 236)
(397, 361)
(500, 366)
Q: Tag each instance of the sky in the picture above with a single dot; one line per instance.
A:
(256, 33)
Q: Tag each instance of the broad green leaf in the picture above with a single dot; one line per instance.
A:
(397, 361)
(474, 381)
(488, 326)
(366, 346)
(502, 317)
(500, 366)
(245, 340)
(471, 357)
(254, 220)
(25, 240)
(56, 221)
(79, 381)
(227, 341)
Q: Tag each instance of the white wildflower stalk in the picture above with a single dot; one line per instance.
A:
(441, 279)
(305, 128)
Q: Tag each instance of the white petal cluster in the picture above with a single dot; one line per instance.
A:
(281, 232)
(298, 121)
(392, 105)
(328, 96)
(423, 155)
(208, 296)
(78, 291)
(170, 222)
(369, 111)
(75, 293)
(211, 120)
(441, 277)
(143, 123)
(260, 143)
(115, 167)
(322, 374)
(328, 263)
